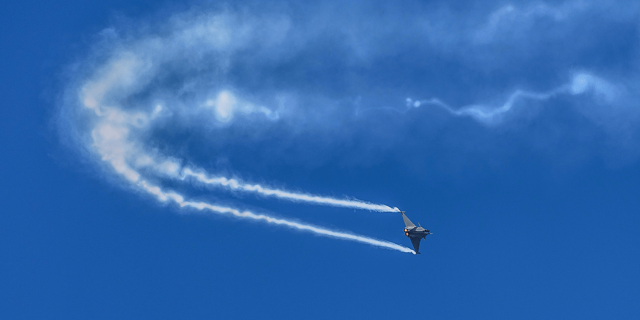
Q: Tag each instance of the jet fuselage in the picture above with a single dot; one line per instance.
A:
(416, 232)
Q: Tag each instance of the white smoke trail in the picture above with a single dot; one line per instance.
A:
(178, 199)
(111, 140)
(282, 194)
(118, 127)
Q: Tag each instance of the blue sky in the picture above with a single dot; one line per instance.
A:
(507, 128)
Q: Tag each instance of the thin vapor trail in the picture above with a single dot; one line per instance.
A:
(234, 184)
(483, 113)
(580, 83)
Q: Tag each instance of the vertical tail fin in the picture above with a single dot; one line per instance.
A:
(407, 222)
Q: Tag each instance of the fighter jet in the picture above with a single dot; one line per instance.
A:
(414, 233)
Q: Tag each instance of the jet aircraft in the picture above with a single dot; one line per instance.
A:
(414, 233)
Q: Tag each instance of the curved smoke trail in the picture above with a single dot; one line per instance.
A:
(225, 70)
(117, 104)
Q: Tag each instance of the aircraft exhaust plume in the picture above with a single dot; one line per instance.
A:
(116, 123)
(178, 199)
(234, 184)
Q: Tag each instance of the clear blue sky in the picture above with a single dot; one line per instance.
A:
(508, 129)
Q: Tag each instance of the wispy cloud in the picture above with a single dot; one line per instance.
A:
(510, 18)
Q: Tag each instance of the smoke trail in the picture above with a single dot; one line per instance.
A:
(178, 199)
(111, 140)
(282, 194)
(118, 124)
